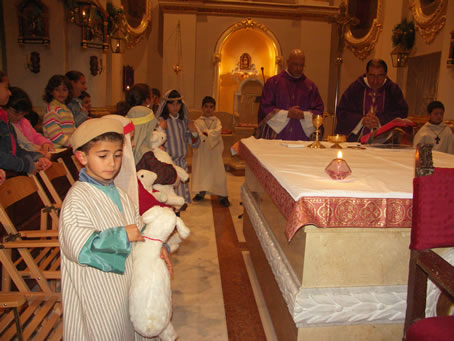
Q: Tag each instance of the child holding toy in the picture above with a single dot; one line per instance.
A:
(181, 132)
(58, 122)
(98, 222)
(208, 172)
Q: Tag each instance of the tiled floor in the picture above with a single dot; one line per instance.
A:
(215, 292)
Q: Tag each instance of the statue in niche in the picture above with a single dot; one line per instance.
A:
(244, 68)
(245, 61)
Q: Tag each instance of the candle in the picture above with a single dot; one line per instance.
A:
(338, 168)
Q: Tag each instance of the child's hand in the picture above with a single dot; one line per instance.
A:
(133, 233)
(165, 256)
(191, 126)
(44, 163)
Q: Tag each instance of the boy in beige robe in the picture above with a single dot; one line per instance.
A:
(208, 172)
(435, 131)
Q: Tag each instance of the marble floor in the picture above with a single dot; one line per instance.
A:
(216, 295)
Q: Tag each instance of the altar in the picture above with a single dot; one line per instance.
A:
(331, 256)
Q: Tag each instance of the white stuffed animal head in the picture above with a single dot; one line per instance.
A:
(158, 138)
(161, 222)
(147, 178)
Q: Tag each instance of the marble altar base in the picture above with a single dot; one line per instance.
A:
(327, 283)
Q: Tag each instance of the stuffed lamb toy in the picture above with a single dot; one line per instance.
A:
(150, 300)
(168, 197)
(158, 138)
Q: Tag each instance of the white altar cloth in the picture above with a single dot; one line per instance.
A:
(376, 173)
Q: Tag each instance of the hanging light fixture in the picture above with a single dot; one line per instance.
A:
(399, 56)
(117, 41)
(179, 65)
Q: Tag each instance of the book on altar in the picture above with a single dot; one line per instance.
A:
(384, 134)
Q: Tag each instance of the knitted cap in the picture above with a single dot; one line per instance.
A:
(92, 128)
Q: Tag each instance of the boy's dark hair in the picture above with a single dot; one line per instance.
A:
(74, 76)
(84, 94)
(137, 94)
(435, 105)
(377, 63)
(54, 82)
(165, 112)
(110, 136)
(208, 99)
(156, 92)
(19, 100)
(121, 108)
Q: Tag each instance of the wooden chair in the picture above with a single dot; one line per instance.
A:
(57, 172)
(30, 261)
(33, 248)
(432, 227)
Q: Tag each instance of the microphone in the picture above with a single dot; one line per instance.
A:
(263, 74)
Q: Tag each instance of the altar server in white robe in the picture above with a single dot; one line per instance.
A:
(435, 131)
(98, 222)
(208, 172)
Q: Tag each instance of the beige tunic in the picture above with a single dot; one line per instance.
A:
(95, 303)
(208, 172)
(429, 133)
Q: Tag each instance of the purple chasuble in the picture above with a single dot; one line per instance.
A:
(357, 100)
(281, 92)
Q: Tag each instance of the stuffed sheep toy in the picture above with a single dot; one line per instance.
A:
(149, 197)
(150, 300)
(166, 194)
(158, 138)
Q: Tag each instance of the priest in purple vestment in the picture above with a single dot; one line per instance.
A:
(288, 102)
(369, 102)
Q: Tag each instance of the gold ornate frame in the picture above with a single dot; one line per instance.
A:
(361, 47)
(135, 34)
(429, 25)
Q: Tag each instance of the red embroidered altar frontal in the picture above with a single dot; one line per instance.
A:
(326, 211)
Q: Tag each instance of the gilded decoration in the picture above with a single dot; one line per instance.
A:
(138, 20)
(362, 38)
(430, 17)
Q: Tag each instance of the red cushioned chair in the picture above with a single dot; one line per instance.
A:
(432, 227)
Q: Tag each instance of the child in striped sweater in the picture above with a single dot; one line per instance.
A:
(58, 122)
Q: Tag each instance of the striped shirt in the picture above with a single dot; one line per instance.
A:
(58, 124)
(178, 138)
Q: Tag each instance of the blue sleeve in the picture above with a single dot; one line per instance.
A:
(106, 250)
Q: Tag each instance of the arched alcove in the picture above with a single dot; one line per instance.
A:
(246, 38)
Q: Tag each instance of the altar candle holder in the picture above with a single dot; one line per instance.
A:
(338, 168)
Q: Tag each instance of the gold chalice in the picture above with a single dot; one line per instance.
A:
(337, 139)
(317, 121)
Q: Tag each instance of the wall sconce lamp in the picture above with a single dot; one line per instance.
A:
(34, 62)
(128, 77)
(95, 65)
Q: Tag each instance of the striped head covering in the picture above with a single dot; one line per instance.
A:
(144, 122)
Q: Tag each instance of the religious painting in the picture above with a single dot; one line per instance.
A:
(362, 33)
(95, 35)
(33, 23)
(430, 17)
(138, 18)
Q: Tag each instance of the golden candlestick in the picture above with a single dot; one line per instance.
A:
(317, 121)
